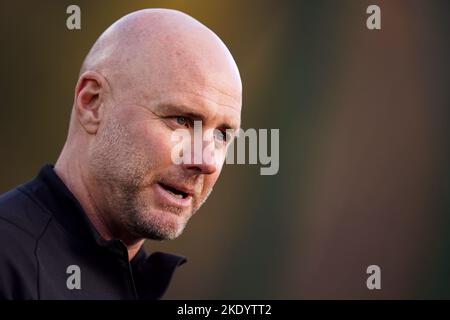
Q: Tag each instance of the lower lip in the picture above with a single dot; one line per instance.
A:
(169, 198)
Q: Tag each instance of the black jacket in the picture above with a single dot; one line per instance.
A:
(50, 250)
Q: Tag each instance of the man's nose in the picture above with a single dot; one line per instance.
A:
(202, 168)
(203, 160)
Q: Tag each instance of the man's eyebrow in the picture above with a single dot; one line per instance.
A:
(184, 111)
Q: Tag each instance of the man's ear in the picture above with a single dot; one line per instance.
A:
(89, 100)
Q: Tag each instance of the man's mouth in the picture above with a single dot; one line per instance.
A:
(174, 194)
(180, 194)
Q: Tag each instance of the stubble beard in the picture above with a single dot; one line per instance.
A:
(121, 171)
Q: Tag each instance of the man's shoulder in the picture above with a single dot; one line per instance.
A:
(21, 222)
(21, 215)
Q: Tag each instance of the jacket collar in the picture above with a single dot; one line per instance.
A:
(153, 273)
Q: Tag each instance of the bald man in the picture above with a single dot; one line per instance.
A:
(76, 231)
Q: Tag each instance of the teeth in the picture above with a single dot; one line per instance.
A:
(176, 194)
(179, 196)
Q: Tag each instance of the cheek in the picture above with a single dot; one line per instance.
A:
(155, 142)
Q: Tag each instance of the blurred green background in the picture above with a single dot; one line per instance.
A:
(364, 127)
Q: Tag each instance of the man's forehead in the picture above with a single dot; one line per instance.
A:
(222, 89)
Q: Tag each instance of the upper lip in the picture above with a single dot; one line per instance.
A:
(185, 189)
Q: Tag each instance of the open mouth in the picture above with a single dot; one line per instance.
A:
(175, 192)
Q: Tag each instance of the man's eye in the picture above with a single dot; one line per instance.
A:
(220, 135)
(181, 121)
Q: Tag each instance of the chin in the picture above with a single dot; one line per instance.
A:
(165, 233)
(160, 225)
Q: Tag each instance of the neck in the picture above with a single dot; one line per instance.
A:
(71, 173)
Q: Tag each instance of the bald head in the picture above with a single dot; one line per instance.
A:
(159, 49)
(151, 73)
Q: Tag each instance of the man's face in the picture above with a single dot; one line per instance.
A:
(143, 190)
